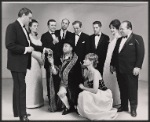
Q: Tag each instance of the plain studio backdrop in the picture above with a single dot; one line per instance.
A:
(87, 13)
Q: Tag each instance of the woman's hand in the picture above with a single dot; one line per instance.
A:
(81, 86)
(41, 62)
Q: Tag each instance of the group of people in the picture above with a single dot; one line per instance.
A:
(75, 64)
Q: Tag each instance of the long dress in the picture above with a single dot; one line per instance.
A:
(34, 86)
(96, 106)
(110, 79)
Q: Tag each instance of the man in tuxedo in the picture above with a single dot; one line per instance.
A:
(99, 44)
(127, 61)
(80, 40)
(19, 59)
(63, 32)
(50, 39)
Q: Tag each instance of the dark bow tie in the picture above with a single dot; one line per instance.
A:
(52, 33)
(97, 34)
(23, 26)
(125, 36)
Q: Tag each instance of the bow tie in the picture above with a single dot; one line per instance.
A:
(52, 33)
(77, 34)
(23, 26)
(97, 34)
(124, 36)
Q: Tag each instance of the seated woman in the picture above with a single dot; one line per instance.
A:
(95, 102)
(71, 76)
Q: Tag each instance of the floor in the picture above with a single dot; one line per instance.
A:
(42, 113)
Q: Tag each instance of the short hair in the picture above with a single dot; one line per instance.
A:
(129, 25)
(92, 57)
(115, 23)
(30, 24)
(67, 20)
(98, 22)
(50, 20)
(25, 11)
(75, 22)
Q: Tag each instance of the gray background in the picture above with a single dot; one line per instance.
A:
(87, 13)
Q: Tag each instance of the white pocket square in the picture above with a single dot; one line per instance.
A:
(83, 42)
(131, 44)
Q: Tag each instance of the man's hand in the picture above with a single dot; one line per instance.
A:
(136, 71)
(29, 49)
(56, 40)
(81, 86)
(48, 50)
(112, 69)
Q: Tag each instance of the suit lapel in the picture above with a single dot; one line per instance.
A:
(80, 39)
(21, 30)
(100, 40)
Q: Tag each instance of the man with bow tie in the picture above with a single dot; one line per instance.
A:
(19, 59)
(127, 60)
(80, 40)
(99, 44)
(50, 40)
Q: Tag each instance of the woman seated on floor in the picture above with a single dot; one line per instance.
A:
(95, 101)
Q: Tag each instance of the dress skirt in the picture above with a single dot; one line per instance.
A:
(96, 106)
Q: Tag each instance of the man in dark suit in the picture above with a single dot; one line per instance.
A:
(99, 44)
(127, 61)
(50, 39)
(19, 59)
(63, 32)
(80, 40)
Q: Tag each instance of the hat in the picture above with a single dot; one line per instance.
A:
(70, 42)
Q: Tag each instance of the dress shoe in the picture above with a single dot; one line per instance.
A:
(122, 109)
(24, 118)
(133, 113)
(28, 114)
(66, 111)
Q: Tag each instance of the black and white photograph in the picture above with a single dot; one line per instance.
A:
(77, 60)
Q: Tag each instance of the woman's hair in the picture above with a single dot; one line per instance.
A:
(30, 24)
(92, 57)
(116, 23)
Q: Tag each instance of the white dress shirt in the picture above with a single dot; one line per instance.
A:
(123, 41)
(77, 38)
(63, 32)
(53, 35)
(97, 38)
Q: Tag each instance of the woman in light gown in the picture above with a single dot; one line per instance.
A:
(34, 91)
(95, 101)
(109, 78)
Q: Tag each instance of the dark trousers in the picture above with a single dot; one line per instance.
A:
(19, 93)
(128, 84)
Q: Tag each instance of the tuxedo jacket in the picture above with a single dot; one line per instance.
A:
(101, 49)
(47, 41)
(68, 34)
(16, 41)
(131, 55)
(82, 47)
